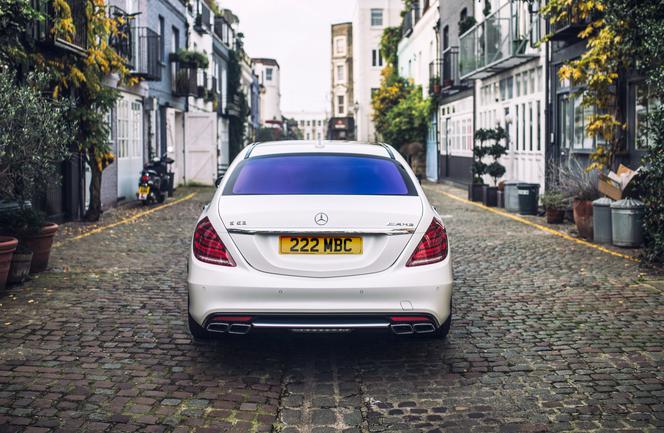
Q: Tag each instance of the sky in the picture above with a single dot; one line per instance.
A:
(297, 34)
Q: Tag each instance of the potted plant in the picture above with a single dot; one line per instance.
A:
(35, 237)
(476, 188)
(580, 186)
(496, 170)
(8, 245)
(34, 140)
(554, 205)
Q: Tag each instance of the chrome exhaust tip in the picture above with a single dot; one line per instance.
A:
(218, 327)
(239, 328)
(402, 328)
(423, 328)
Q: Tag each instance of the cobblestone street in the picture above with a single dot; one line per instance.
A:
(547, 335)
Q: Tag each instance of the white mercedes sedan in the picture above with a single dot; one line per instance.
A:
(319, 237)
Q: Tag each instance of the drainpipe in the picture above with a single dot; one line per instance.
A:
(184, 116)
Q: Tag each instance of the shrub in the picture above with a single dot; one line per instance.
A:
(35, 134)
(651, 185)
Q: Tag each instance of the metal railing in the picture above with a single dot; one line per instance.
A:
(450, 67)
(42, 30)
(435, 69)
(184, 79)
(146, 61)
(570, 25)
(496, 43)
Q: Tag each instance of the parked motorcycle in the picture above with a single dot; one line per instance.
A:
(155, 181)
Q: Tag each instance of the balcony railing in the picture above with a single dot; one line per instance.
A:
(184, 79)
(435, 69)
(450, 73)
(146, 58)
(202, 21)
(570, 26)
(42, 30)
(500, 42)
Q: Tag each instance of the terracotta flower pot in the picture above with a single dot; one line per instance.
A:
(40, 244)
(7, 247)
(583, 217)
(20, 267)
(554, 216)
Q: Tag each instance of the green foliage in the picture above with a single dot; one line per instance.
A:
(237, 124)
(15, 17)
(495, 151)
(554, 200)
(389, 45)
(466, 24)
(22, 222)
(35, 132)
(191, 57)
(651, 185)
(405, 118)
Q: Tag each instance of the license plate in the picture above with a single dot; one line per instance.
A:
(320, 245)
(143, 192)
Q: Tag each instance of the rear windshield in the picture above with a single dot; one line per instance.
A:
(325, 174)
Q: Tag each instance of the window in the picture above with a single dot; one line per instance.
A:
(301, 122)
(644, 103)
(539, 127)
(376, 58)
(530, 125)
(510, 87)
(341, 74)
(376, 17)
(316, 174)
(308, 136)
(523, 126)
(516, 128)
(518, 85)
(175, 41)
(268, 74)
(340, 104)
(162, 34)
(532, 80)
(308, 122)
(340, 45)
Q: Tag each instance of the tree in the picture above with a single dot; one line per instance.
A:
(73, 76)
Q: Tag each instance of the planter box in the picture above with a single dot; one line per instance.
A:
(490, 196)
(475, 191)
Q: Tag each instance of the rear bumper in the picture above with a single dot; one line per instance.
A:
(215, 289)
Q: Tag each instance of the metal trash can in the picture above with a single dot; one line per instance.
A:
(626, 216)
(511, 195)
(528, 198)
(602, 220)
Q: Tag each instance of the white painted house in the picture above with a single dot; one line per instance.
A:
(312, 124)
(269, 77)
(500, 54)
(418, 47)
(369, 20)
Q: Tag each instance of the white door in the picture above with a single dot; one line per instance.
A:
(129, 127)
(174, 146)
(200, 145)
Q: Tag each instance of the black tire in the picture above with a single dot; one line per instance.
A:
(197, 331)
(161, 198)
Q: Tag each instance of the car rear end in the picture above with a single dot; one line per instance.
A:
(328, 238)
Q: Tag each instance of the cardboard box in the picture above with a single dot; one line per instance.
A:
(613, 185)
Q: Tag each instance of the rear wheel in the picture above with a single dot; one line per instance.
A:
(197, 331)
(161, 198)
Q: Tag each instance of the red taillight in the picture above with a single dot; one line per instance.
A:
(208, 247)
(432, 248)
(145, 178)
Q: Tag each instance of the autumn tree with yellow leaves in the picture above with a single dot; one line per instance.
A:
(78, 76)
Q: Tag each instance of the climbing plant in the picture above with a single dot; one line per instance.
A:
(236, 97)
(77, 76)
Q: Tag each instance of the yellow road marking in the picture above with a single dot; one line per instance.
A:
(541, 227)
(126, 220)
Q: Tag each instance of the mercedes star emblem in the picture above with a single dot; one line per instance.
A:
(321, 218)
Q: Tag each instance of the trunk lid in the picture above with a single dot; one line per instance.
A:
(385, 224)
